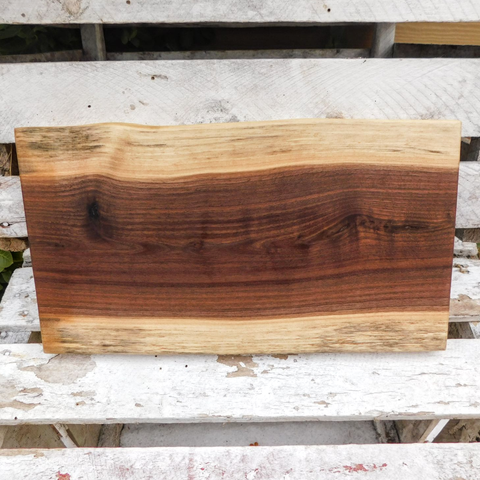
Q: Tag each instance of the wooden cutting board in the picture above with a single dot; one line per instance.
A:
(271, 237)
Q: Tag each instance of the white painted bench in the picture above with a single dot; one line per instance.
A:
(36, 388)
(379, 462)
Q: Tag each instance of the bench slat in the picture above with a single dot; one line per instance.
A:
(243, 12)
(205, 91)
(40, 388)
(465, 292)
(380, 462)
(12, 212)
(468, 200)
(19, 311)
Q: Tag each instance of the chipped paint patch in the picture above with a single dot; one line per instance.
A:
(244, 365)
(8, 397)
(461, 268)
(18, 405)
(358, 468)
(34, 390)
(464, 305)
(323, 403)
(280, 357)
(64, 369)
(72, 8)
(84, 393)
(63, 476)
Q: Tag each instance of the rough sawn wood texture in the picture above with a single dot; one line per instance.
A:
(268, 237)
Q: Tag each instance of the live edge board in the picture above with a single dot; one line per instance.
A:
(239, 238)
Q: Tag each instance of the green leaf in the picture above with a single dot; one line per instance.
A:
(125, 36)
(17, 256)
(6, 275)
(1, 287)
(10, 32)
(6, 259)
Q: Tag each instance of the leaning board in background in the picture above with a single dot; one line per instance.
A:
(269, 237)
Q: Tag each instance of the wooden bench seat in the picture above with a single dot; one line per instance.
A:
(39, 388)
(380, 462)
(243, 12)
(173, 92)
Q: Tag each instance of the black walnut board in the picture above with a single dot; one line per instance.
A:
(268, 237)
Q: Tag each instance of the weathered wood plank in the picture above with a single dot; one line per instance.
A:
(207, 91)
(468, 234)
(463, 249)
(93, 42)
(383, 40)
(468, 200)
(110, 435)
(12, 212)
(419, 431)
(475, 327)
(245, 245)
(41, 388)
(439, 33)
(380, 462)
(18, 307)
(19, 311)
(237, 12)
(27, 258)
(14, 337)
(465, 292)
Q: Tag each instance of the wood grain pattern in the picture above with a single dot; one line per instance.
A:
(13, 224)
(438, 33)
(19, 310)
(242, 238)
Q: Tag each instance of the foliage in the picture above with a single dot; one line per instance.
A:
(22, 39)
(9, 261)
